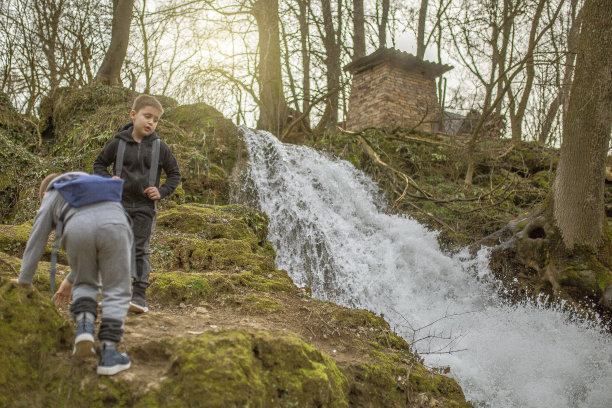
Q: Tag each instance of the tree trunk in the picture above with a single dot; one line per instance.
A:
(332, 54)
(506, 28)
(516, 119)
(48, 15)
(359, 45)
(145, 47)
(304, 39)
(273, 109)
(562, 96)
(382, 27)
(421, 30)
(579, 185)
(110, 70)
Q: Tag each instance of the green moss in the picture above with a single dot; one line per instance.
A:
(208, 222)
(359, 318)
(256, 369)
(278, 281)
(540, 179)
(31, 331)
(180, 287)
(256, 304)
(586, 273)
(13, 238)
(223, 254)
(209, 149)
(422, 380)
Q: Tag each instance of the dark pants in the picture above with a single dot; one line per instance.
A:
(143, 224)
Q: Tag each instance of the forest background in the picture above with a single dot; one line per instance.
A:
(514, 56)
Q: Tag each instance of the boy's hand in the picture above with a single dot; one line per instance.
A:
(152, 193)
(116, 177)
(23, 285)
(63, 294)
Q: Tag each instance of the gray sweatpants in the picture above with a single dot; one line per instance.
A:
(98, 242)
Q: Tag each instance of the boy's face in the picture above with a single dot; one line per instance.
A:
(145, 121)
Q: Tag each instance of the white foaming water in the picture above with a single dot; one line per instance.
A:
(330, 234)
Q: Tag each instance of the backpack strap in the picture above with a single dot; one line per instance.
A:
(154, 161)
(119, 158)
(59, 229)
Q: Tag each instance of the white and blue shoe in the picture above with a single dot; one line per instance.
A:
(84, 340)
(112, 361)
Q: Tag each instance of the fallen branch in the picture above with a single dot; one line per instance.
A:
(419, 140)
(432, 216)
(10, 266)
(374, 156)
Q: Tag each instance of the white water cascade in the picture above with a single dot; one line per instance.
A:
(331, 233)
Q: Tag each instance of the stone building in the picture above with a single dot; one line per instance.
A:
(392, 87)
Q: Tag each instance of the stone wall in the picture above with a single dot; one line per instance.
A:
(386, 95)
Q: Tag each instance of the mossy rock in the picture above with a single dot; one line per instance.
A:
(31, 331)
(209, 148)
(13, 124)
(210, 223)
(354, 318)
(275, 281)
(20, 173)
(249, 368)
(253, 304)
(439, 386)
(395, 379)
(223, 254)
(586, 273)
(13, 240)
(176, 287)
(74, 108)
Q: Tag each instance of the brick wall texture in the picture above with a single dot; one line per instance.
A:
(388, 95)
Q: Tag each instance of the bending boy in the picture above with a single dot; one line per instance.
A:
(98, 240)
(140, 190)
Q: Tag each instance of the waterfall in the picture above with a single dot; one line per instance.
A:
(328, 226)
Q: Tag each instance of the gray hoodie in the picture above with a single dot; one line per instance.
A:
(52, 207)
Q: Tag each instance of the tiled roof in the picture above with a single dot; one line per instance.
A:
(404, 59)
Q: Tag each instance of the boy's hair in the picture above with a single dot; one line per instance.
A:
(45, 183)
(146, 100)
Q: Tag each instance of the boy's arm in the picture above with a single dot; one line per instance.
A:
(43, 224)
(106, 158)
(171, 168)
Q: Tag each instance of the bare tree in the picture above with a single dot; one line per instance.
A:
(304, 6)
(47, 44)
(382, 24)
(517, 111)
(421, 29)
(110, 70)
(359, 48)
(273, 114)
(568, 69)
(579, 185)
(331, 41)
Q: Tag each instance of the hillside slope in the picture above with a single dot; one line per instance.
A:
(227, 328)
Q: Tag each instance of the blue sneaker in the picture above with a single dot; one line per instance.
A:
(84, 340)
(112, 361)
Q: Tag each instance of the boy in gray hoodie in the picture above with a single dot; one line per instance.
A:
(98, 240)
